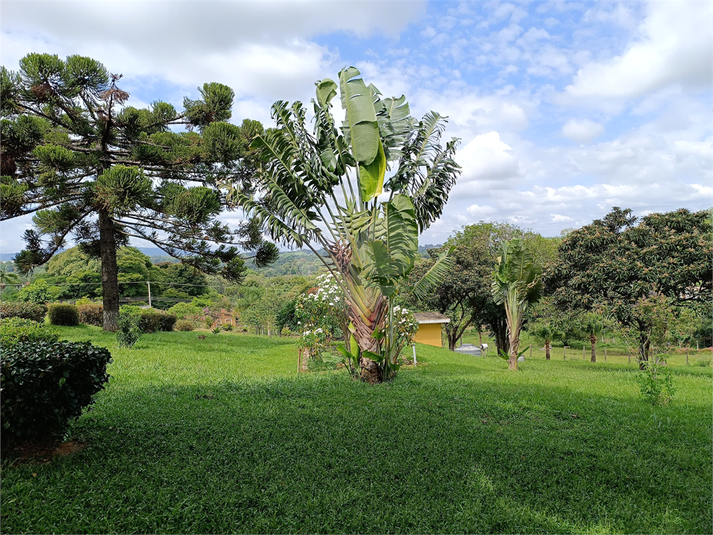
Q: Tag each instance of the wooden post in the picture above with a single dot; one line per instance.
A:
(686, 356)
(605, 354)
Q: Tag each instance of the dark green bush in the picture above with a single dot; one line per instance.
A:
(167, 322)
(14, 331)
(156, 321)
(29, 311)
(59, 314)
(184, 325)
(91, 314)
(44, 385)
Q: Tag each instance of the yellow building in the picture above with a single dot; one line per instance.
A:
(429, 328)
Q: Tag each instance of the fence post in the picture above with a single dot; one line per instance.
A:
(605, 354)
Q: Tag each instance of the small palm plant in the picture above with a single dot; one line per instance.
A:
(517, 283)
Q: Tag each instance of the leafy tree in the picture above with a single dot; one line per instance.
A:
(517, 283)
(618, 260)
(38, 292)
(90, 167)
(322, 189)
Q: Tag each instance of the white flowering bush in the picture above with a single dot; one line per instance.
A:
(321, 313)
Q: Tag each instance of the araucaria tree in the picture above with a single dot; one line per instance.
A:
(328, 189)
(616, 261)
(92, 168)
(517, 284)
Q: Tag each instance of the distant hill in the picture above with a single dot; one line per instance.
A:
(302, 262)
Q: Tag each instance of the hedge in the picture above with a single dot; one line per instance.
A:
(29, 311)
(44, 385)
(156, 321)
(91, 314)
(60, 314)
(14, 331)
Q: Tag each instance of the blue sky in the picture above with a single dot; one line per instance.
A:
(564, 109)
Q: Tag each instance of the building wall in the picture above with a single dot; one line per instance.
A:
(430, 334)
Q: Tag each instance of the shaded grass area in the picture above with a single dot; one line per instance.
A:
(222, 435)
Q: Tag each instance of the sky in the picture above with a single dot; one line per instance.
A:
(564, 109)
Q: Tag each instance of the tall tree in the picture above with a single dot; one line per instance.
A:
(614, 262)
(92, 168)
(517, 283)
(328, 189)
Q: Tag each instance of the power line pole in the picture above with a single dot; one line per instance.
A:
(149, 285)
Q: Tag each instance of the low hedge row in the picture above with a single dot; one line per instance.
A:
(44, 385)
(29, 311)
(15, 331)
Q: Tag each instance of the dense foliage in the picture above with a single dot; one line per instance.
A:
(44, 385)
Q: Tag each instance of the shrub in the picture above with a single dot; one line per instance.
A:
(656, 384)
(152, 321)
(67, 315)
(184, 325)
(14, 331)
(166, 322)
(227, 327)
(30, 311)
(129, 331)
(44, 385)
(91, 314)
(185, 310)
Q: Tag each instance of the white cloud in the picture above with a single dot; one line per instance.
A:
(488, 159)
(480, 211)
(582, 130)
(673, 46)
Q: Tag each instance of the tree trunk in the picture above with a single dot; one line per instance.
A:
(547, 350)
(452, 341)
(593, 341)
(110, 272)
(644, 346)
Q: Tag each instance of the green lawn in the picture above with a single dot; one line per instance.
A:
(221, 435)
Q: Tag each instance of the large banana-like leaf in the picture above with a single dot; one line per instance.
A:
(518, 278)
(367, 148)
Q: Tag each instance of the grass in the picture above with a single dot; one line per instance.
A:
(221, 435)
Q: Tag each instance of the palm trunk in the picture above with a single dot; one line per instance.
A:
(514, 347)
(593, 341)
(110, 272)
(363, 331)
